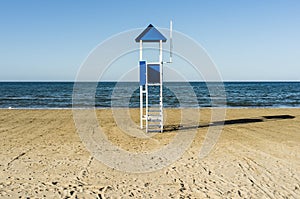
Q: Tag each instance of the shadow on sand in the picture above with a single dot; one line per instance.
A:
(229, 122)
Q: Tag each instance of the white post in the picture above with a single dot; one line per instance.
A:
(160, 51)
(141, 89)
(141, 50)
(161, 86)
(146, 90)
(141, 106)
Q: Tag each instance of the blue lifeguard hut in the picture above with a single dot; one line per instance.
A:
(151, 74)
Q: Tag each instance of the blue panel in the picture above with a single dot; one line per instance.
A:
(142, 73)
(153, 73)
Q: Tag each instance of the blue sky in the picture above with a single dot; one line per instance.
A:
(248, 40)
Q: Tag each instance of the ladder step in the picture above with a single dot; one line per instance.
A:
(153, 110)
(154, 116)
(153, 131)
(158, 116)
(154, 121)
(154, 84)
(153, 106)
(153, 125)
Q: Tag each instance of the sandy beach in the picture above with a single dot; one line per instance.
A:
(256, 156)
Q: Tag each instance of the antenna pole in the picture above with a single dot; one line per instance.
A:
(171, 41)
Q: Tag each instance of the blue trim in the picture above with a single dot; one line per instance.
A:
(142, 73)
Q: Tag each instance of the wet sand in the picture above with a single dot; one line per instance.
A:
(256, 156)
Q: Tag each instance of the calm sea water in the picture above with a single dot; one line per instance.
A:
(112, 94)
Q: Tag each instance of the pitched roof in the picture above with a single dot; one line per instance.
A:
(151, 34)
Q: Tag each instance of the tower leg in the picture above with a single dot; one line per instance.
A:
(141, 107)
(161, 87)
(147, 104)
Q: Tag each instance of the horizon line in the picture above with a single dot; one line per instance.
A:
(138, 81)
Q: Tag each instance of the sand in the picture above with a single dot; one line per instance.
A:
(42, 156)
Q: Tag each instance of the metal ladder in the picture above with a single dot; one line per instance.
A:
(153, 115)
(155, 111)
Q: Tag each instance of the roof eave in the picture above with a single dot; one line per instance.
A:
(138, 40)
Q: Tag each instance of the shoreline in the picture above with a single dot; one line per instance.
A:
(108, 108)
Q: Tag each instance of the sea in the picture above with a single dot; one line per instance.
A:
(60, 95)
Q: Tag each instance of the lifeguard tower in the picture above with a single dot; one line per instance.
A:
(151, 75)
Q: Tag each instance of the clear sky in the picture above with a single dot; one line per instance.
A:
(247, 39)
